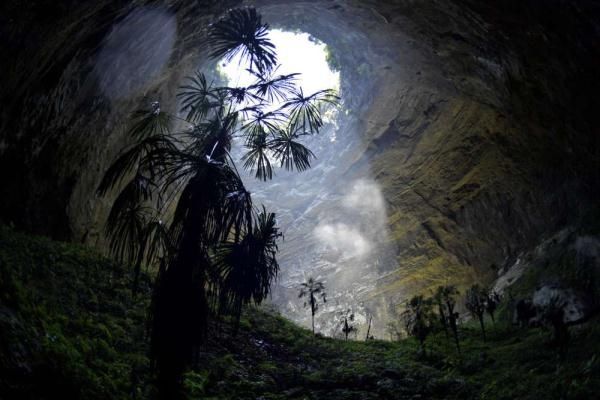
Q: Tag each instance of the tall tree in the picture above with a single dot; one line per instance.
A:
(475, 302)
(313, 291)
(418, 318)
(368, 335)
(346, 321)
(491, 304)
(447, 296)
(181, 203)
(438, 299)
(552, 314)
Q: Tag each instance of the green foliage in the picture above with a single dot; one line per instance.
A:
(79, 333)
(419, 319)
(69, 323)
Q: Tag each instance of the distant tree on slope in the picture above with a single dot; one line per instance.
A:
(313, 291)
(475, 302)
(419, 318)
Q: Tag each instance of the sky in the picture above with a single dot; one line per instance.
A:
(295, 53)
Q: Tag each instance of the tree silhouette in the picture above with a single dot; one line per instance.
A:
(418, 318)
(313, 290)
(491, 304)
(182, 205)
(346, 320)
(368, 335)
(438, 299)
(552, 314)
(475, 302)
(447, 297)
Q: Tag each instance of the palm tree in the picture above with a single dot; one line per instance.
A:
(418, 318)
(475, 302)
(491, 304)
(346, 320)
(246, 268)
(182, 205)
(447, 296)
(313, 290)
(438, 299)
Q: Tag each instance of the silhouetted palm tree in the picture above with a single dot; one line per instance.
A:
(447, 296)
(246, 268)
(182, 204)
(418, 318)
(475, 300)
(346, 320)
(313, 290)
(438, 299)
(491, 304)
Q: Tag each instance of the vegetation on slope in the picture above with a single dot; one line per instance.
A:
(70, 329)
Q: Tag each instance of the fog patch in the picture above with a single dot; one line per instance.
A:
(135, 51)
(365, 197)
(354, 230)
(344, 240)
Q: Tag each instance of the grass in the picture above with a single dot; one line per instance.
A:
(273, 358)
(70, 329)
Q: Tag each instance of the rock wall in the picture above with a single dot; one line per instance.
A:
(477, 119)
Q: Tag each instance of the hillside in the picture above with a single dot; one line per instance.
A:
(70, 329)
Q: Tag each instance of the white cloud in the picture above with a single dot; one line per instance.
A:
(364, 197)
(343, 239)
(356, 228)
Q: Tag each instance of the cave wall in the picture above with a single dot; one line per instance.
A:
(477, 118)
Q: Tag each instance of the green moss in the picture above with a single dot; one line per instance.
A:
(68, 316)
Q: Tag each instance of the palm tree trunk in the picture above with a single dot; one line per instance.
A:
(180, 314)
(482, 327)
(312, 311)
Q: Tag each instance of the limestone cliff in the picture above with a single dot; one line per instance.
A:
(476, 119)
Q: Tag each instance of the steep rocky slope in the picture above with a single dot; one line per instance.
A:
(476, 121)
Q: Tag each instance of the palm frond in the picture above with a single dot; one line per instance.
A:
(290, 152)
(305, 111)
(123, 165)
(240, 95)
(147, 154)
(159, 241)
(242, 32)
(257, 158)
(247, 268)
(271, 87)
(149, 122)
(197, 97)
(127, 220)
(262, 123)
(207, 207)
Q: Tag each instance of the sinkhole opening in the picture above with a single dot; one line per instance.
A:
(315, 69)
(297, 53)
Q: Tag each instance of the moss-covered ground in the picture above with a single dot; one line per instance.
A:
(69, 328)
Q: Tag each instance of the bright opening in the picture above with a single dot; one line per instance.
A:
(296, 53)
